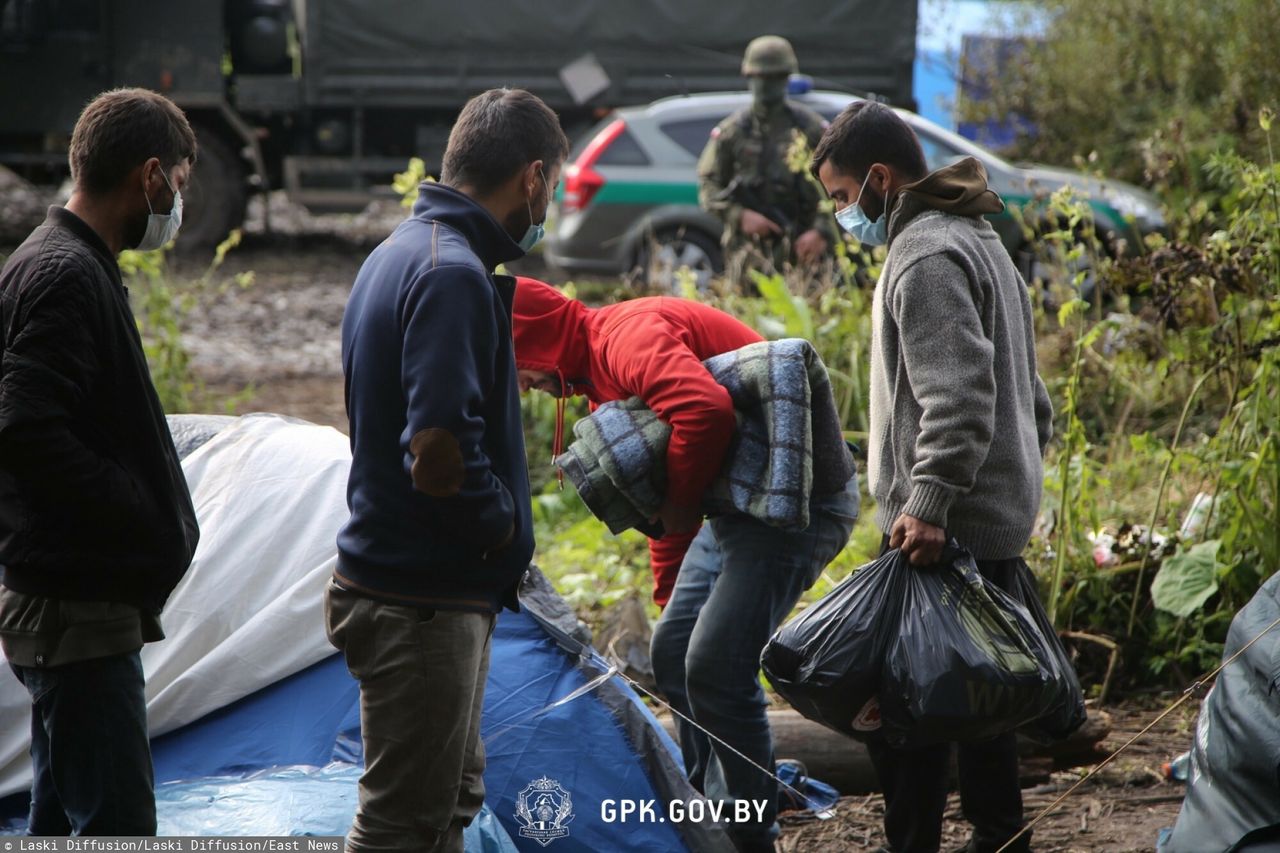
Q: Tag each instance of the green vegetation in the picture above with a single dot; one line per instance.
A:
(160, 303)
(1145, 90)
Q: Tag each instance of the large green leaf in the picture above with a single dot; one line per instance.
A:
(1187, 579)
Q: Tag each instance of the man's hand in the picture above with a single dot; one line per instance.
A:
(756, 224)
(920, 541)
(678, 518)
(810, 246)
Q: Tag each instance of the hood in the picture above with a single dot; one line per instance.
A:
(959, 189)
(486, 236)
(550, 332)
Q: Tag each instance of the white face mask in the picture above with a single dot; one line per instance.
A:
(162, 228)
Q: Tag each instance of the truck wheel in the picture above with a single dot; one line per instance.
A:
(671, 250)
(215, 197)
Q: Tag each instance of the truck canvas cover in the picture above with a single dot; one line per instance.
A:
(428, 53)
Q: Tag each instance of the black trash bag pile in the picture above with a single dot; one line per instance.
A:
(924, 656)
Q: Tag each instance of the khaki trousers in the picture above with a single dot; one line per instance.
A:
(422, 676)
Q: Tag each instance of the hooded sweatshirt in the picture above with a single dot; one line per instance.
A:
(959, 416)
(651, 348)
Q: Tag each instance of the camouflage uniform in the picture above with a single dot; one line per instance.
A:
(751, 147)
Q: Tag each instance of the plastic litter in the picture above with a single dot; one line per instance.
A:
(815, 796)
(1179, 769)
(1194, 522)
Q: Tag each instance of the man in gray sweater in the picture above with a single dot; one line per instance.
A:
(959, 419)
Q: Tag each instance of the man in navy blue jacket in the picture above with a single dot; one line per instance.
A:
(441, 529)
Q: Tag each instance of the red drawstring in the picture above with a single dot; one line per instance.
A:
(557, 442)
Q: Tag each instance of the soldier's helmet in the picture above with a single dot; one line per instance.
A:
(769, 55)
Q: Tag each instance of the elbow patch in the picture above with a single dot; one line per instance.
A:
(437, 463)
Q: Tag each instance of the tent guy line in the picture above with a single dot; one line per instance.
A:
(515, 721)
(600, 662)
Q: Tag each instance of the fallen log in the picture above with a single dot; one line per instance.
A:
(1083, 747)
(844, 763)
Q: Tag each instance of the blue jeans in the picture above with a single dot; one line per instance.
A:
(739, 580)
(89, 748)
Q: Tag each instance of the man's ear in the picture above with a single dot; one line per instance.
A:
(150, 171)
(881, 178)
(532, 177)
(889, 180)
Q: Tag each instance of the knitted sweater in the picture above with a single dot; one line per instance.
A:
(959, 416)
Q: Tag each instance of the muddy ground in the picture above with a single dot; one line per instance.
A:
(1120, 810)
(274, 346)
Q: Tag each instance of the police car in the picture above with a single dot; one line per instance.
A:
(628, 203)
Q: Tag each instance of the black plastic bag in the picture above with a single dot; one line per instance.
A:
(926, 655)
(967, 662)
(1070, 713)
(827, 661)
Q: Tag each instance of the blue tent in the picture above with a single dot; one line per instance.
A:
(603, 744)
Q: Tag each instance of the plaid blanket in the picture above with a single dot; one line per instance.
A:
(788, 444)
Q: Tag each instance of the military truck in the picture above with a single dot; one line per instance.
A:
(327, 99)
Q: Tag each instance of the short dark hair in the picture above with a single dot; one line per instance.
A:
(497, 134)
(868, 132)
(123, 128)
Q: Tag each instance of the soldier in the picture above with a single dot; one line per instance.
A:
(771, 212)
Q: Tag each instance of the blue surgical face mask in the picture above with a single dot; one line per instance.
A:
(162, 228)
(535, 232)
(855, 221)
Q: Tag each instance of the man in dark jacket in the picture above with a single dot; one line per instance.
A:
(96, 523)
(441, 520)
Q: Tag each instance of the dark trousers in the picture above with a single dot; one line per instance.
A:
(915, 781)
(89, 748)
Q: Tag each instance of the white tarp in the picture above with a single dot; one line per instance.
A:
(270, 495)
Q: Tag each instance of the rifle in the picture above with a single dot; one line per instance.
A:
(744, 192)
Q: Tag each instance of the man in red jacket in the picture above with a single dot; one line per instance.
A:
(652, 348)
(727, 585)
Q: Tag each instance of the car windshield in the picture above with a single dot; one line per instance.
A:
(949, 146)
